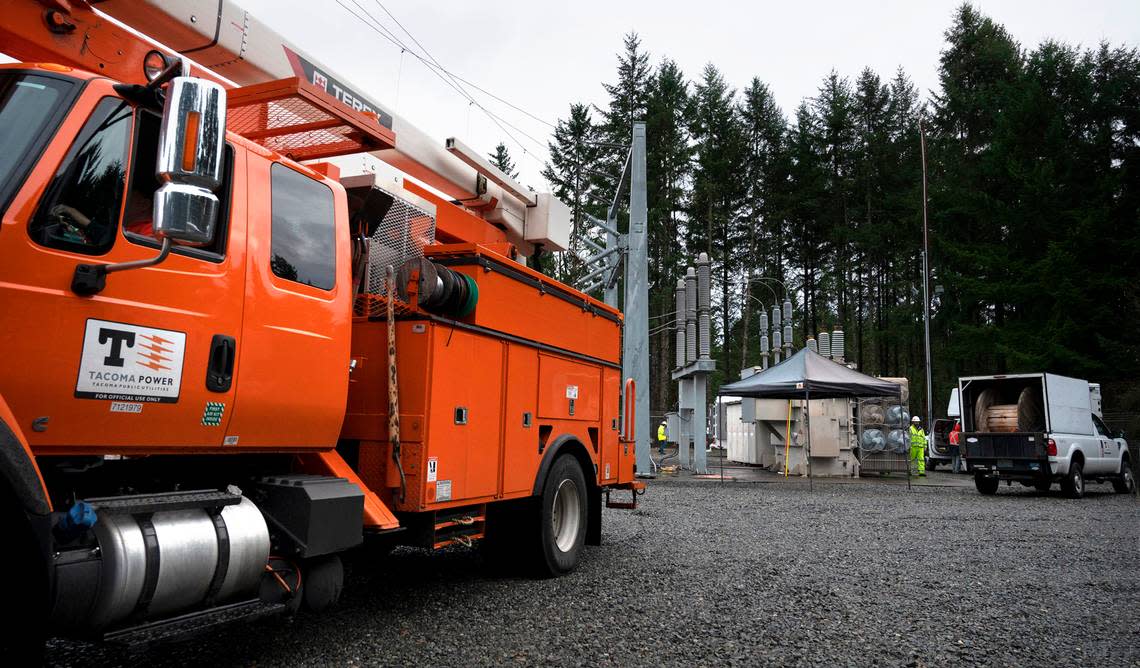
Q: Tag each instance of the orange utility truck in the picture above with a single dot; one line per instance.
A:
(237, 342)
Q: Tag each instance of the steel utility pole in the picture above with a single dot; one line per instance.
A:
(636, 337)
(926, 283)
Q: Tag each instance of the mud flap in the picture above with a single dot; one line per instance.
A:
(594, 518)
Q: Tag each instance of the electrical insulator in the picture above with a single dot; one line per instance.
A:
(825, 344)
(787, 310)
(837, 345)
(811, 344)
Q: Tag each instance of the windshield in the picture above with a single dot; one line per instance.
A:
(31, 106)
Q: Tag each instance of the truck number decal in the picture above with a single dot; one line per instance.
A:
(122, 362)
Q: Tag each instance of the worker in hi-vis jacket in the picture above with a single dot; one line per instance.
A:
(918, 446)
(661, 438)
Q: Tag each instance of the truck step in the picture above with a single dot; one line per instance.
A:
(210, 499)
(624, 505)
(460, 526)
(190, 625)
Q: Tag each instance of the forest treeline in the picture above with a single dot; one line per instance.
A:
(1033, 159)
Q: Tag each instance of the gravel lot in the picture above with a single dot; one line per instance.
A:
(706, 574)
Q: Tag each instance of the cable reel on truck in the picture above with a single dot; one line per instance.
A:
(439, 290)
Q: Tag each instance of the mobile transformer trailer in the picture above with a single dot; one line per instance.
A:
(225, 365)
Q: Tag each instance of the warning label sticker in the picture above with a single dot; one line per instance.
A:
(432, 469)
(443, 490)
(122, 362)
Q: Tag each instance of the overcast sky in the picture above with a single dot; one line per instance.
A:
(542, 56)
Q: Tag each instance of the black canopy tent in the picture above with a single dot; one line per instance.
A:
(808, 374)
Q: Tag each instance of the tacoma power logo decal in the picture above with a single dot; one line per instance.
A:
(124, 362)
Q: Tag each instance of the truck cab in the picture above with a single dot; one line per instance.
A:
(1039, 429)
(264, 306)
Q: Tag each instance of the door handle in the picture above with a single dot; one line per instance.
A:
(220, 370)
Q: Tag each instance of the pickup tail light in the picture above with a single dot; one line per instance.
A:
(1051, 447)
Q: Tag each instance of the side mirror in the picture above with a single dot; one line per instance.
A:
(1120, 435)
(191, 150)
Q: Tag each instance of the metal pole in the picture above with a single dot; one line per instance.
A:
(907, 448)
(636, 339)
(926, 284)
(700, 422)
(807, 427)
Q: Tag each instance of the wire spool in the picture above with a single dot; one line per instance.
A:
(898, 441)
(873, 440)
(982, 404)
(1030, 412)
(897, 416)
(872, 414)
(440, 290)
(1001, 418)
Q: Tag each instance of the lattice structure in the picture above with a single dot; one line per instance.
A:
(401, 236)
(299, 120)
(376, 306)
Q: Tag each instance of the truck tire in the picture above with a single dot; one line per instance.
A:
(22, 635)
(1073, 485)
(986, 485)
(323, 582)
(562, 518)
(1126, 482)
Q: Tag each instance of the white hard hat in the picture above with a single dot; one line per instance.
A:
(916, 419)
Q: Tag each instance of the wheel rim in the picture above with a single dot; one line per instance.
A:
(1078, 481)
(565, 517)
(1129, 481)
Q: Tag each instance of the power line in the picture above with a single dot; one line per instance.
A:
(439, 71)
(456, 77)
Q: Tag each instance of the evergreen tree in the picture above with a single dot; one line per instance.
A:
(765, 161)
(668, 169)
(573, 157)
(718, 192)
(501, 159)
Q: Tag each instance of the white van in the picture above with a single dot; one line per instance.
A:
(1055, 436)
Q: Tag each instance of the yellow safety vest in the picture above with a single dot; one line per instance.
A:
(917, 436)
(661, 433)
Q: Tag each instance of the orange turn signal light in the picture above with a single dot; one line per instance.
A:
(190, 141)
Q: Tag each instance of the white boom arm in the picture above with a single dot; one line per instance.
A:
(220, 35)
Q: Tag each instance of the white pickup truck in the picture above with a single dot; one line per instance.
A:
(1038, 429)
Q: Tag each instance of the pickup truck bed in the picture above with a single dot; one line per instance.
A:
(1016, 455)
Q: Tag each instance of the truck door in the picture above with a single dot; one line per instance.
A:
(127, 367)
(1109, 449)
(293, 369)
